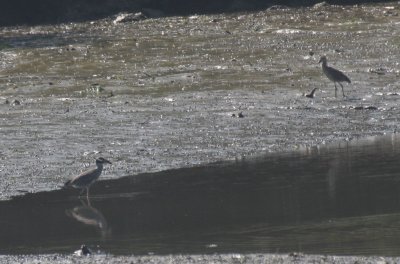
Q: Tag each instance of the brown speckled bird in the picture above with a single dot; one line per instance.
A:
(86, 179)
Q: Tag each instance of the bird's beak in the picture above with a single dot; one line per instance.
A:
(107, 161)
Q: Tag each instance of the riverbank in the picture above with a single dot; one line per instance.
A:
(36, 12)
(198, 259)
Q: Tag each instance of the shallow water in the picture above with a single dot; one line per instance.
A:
(339, 199)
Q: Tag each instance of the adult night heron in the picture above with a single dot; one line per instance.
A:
(86, 179)
(334, 75)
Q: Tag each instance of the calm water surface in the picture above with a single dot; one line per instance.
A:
(340, 199)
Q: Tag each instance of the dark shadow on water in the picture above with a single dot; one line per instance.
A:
(33, 12)
(342, 199)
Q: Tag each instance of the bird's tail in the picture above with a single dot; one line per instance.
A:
(67, 184)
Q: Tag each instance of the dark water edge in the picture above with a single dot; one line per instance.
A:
(342, 199)
(33, 12)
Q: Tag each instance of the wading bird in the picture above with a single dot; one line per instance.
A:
(86, 179)
(334, 75)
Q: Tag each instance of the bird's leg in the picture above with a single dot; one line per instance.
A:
(88, 201)
(82, 202)
(81, 192)
(335, 89)
(87, 193)
(342, 90)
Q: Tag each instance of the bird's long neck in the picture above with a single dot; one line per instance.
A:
(325, 67)
(99, 166)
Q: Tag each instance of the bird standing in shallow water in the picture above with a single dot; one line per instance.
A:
(87, 178)
(334, 75)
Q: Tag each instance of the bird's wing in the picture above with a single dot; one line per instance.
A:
(84, 178)
(338, 75)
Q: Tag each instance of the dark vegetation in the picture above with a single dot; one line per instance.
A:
(31, 12)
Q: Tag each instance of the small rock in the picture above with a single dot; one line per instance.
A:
(379, 71)
(16, 102)
(7, 102)
(320, 5)
(211, 246)
(296, 254)
(129, 17)
(277, 7)
(240, 115)
(365, 108)
(390, 13)
(371, 108)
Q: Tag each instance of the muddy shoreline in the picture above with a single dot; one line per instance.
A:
(166, 93)
(220, 258)
(155, 94)
(34, 12)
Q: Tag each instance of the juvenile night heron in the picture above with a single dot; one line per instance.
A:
(86, 179)
(334, 75)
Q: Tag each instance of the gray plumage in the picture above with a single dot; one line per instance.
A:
(86, 179)
(334, 75)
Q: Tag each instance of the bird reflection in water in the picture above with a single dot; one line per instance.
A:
(89, 215)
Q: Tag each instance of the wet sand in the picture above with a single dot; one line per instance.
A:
(166, 93)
